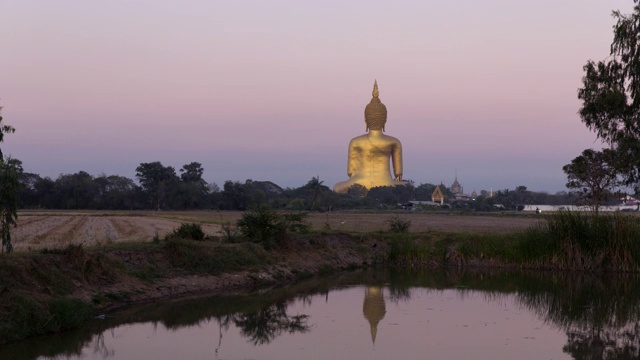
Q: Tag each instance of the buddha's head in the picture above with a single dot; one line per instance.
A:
(375, 114)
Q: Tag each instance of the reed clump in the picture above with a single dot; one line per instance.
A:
(566, 240)
(588, 241)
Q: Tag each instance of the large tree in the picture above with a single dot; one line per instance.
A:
(194, 188)
(4, 129)
(157, 180)
(593, 174)
(10, 170)
(611, 95)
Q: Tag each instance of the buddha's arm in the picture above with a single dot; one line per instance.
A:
(396, 158)
(352, 161)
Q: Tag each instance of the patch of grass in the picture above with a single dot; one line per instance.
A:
(302, 274)
(408, 252)
(148, 273)
(212, 258)
(326, 269)
(122, 296)
(353, 266)
(31, 316)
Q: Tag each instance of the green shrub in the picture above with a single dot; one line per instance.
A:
(398, 225)
(295, 222)
(266, 226)
(191, 231)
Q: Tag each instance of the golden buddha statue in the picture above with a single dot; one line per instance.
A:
(369, 154)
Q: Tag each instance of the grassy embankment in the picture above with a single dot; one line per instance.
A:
(53, 290)
(570, 241)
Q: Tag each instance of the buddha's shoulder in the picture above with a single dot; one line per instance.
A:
(367, 139)
(359, 138)
(391, 138)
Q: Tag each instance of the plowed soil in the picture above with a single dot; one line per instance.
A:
(59, 229)
(55, 229)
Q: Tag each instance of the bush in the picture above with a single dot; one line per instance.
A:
(295, 222)
(229, 232)
(191, 231)
(397, 225)
(266, 226)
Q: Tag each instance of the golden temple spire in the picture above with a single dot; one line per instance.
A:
(375, 93)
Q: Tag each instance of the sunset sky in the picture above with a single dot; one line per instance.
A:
(274, 90)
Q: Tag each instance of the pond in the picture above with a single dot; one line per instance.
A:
(374, 315)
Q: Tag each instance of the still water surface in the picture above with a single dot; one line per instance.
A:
(375, 315)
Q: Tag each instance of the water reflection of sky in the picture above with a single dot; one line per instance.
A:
(431, 324)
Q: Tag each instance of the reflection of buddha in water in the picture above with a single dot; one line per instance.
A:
(368, 163)
(373, 308)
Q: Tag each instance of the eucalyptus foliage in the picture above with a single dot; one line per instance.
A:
(593, 174)
(611, 95)
(10, 170)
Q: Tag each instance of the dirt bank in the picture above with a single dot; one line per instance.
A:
(93, 261)
(54, 290)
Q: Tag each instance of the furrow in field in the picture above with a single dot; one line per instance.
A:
(39, 232)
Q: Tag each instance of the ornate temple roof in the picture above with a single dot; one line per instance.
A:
(437, 195)
(456, 188)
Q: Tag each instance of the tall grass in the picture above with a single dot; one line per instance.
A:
(566, 240)
(408, 252)
(593, 242)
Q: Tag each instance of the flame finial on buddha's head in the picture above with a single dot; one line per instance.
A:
(375, 113)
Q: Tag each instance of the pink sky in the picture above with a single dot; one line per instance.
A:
(274, 90)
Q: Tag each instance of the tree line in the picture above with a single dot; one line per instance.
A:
(160, 187)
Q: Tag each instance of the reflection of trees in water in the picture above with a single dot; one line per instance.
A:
(399, 294)
(265, 324)
(100, 347)
(612, 343)
(601, 316)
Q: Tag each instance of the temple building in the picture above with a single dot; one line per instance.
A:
(437, 195)
(456, 188)
(458, 191)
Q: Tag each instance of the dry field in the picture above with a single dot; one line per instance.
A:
(52, 229)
